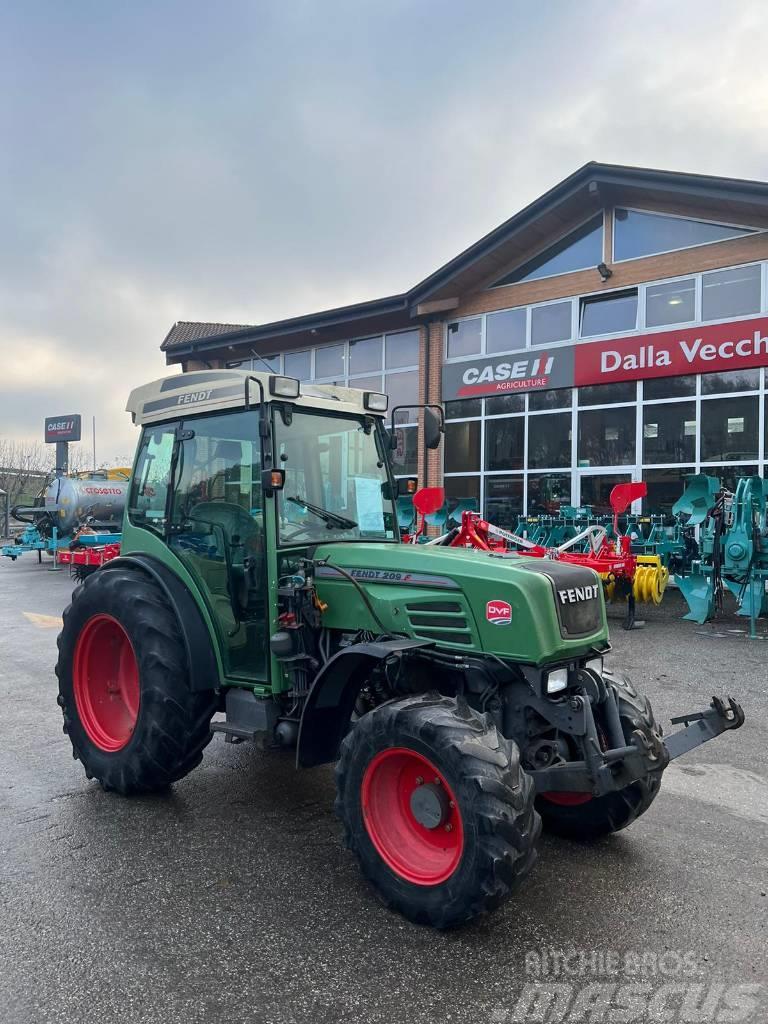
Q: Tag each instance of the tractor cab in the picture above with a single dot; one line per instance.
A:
(238, 476)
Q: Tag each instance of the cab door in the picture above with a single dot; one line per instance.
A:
(216, 529)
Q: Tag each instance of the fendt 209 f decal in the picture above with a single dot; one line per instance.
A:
(415, 579)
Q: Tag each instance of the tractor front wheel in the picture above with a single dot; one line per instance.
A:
(437, 808)
(123, 685)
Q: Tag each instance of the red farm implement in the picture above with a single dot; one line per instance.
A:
(625, 576)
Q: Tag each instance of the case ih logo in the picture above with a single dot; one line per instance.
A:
(62, 428)
(499, 612)
(520, 375)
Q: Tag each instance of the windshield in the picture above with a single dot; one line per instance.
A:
(334, 471)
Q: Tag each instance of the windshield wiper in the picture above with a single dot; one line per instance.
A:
(331, 518)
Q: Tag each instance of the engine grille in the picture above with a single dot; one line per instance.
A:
(442, 621)
(576, 595)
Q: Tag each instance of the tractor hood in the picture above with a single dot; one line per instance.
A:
(533, 610)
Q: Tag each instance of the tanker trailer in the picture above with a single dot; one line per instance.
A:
(65, 503)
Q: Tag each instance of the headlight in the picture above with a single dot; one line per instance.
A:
(375, 402)
(557, 680)
(284, 387)
(596, 665)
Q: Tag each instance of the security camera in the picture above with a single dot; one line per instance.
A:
(604, 271)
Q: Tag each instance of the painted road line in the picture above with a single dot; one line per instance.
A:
(43, 621)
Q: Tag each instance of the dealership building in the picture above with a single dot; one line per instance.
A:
(615, 329)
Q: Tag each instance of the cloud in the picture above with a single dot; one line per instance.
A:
(249, 161)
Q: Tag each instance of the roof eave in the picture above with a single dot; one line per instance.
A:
(281, 328)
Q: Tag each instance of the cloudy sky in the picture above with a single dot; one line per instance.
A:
(244, 160)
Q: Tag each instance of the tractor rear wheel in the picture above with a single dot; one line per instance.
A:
(123, 685)
(580, 816)
(437, 808)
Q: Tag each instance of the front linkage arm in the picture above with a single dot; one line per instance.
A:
(701, 726)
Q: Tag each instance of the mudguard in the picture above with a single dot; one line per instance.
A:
(331, 700)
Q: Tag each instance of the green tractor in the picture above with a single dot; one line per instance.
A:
(262, 580)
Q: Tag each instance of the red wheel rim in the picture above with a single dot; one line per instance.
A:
(106, 683)
(390, 802)
(567, 799)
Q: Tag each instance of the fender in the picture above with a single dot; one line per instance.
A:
(331, 700)
(203, 670)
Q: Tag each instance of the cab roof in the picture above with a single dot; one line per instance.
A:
(213, 390)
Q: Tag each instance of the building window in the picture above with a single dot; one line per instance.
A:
(365, 355)
(729, 476)
(505, 331)
(463, 408)
(549, 441)
(607, 437)
(462, 447)
(733, 380)
(405, 456)
(372, 383)
(637, 234)
(669, 387)
(555, 398)
(596, 490)
(669, 432)
(729, 429)
(672, 303)
(403, 388)
(298, 364)
(731, 292)
(608, 314)
(329, 362)
(664, 488)
(500, 404)
(504, 444)
(546, 493)
(464, 337)
(578, 250)
(608, 394)
(462, 490)
(551, 323)
(401, 349)
(504, 500)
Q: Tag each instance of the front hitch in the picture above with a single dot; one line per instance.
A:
(701, 726)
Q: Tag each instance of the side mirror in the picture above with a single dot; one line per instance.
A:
(433, 428)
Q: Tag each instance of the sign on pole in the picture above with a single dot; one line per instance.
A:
(62, 428)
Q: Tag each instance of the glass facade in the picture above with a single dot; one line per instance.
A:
(544, 448)
(572, 447)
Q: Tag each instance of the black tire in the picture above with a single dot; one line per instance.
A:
(614, 811)
(493, 794)
(173, 724)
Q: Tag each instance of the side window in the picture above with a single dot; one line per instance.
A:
(149, 491)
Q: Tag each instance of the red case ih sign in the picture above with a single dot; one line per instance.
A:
(499, 612)
(62, 428)
(737, 345)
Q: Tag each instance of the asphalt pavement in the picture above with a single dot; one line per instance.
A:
(231, 899)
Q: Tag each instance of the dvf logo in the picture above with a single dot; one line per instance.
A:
(499, 612)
